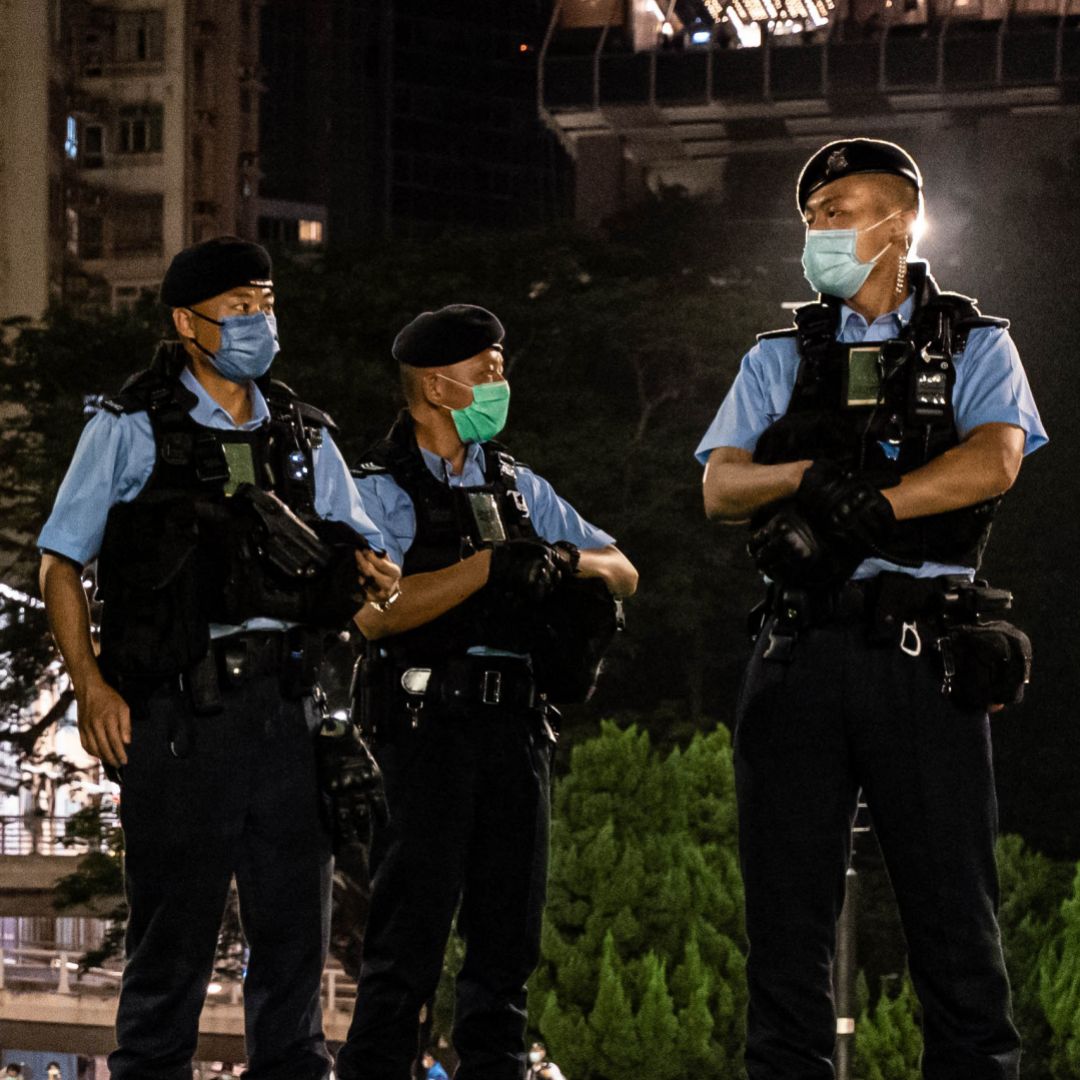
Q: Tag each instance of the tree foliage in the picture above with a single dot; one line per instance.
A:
(1059, 986)
(643, 949)
(888, 1040)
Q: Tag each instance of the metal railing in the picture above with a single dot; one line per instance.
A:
(952, 54)
(57, 971)
(27, 834)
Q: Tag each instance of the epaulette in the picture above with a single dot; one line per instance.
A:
(787, 331)
(815, 316)
(104, 403)
(380, 459)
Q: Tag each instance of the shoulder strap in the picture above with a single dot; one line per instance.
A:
(943, 323)
(286, 408)
(499, 466)
(157, 389)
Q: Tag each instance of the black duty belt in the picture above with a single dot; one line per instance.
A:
(504, 682)
(889, 606)
(232, 661)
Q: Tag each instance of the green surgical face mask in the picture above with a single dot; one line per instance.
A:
(485, 416)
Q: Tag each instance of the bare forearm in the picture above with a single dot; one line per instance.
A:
(982, 467)
(735, 487)
(613, 566)
(69, 619)
(425, 597)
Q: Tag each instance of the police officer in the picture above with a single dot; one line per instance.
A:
(461, 732)
(869, 445)
(201, 698)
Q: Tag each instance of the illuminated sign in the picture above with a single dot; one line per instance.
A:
(750, 11)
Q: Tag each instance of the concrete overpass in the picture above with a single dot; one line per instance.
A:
(635, 121)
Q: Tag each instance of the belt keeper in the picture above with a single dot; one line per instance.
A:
(491, 688)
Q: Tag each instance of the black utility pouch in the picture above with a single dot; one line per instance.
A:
(984, 664)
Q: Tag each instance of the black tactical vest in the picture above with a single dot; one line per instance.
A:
(451, 524)
(883, 409)
(173, 559)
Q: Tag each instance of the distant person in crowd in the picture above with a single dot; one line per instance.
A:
(537, 1060)
(435, 1071)
(52, 1071)
(14, 1072)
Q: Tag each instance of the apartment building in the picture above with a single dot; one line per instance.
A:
(132, 129)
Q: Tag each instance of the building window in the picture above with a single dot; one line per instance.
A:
(71, 138)
(140, 37)
(139, 130)
(92, 153)
(310, 232)
(90, 237)
(93, 53)
(124, 296)
(137, 228)
(71, 219)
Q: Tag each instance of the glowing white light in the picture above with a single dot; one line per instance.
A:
(700, 37)
(214, 988)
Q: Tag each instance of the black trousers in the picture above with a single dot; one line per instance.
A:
(204, 799)
(469, 797)
(845, 714)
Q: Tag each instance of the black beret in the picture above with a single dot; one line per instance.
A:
(848, 156)
(447, 336)
(213, 267)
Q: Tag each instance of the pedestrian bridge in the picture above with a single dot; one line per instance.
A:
(677, 116)
(47, 1005)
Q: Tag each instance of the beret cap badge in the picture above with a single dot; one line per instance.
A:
(837, 161)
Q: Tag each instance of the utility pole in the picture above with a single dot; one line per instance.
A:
(845, 966)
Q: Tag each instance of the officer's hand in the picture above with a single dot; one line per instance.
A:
(526, 570)
(378, 575)
(849, 511)
(352, 787)
(104, 722)
(786, 548)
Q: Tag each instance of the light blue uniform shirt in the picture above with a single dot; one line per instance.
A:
(553, 518)
(990, 387)
(115, 457)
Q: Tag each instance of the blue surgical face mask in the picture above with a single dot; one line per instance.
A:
(248, 346)
(830, 263)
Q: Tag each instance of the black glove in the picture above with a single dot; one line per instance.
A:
(528, 570)
(849, 512)
(351, 785)
(789, 549)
